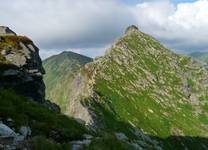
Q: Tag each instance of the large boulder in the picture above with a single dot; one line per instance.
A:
(21, 66)
(5, 131)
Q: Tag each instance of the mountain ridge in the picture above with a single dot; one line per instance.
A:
(60, 69)
(140, 87)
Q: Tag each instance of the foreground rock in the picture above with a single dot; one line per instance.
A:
(5, 131)
(21, 66)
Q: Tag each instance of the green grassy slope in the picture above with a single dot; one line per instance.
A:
(141, 83)
(43, 122)
(149, 85)
(157, 98)
(60, 71)
(41, 119)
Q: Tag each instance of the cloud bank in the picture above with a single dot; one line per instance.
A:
(90, 25)
(183, 27)
(64, 23)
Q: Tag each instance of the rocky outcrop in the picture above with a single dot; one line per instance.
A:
(21, 66)
(131, 29)
(10, 140)
(6, 31)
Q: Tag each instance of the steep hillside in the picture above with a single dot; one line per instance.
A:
(202, 56)
(27, 120)
(45, 124)
(60, 71)
(141, 86)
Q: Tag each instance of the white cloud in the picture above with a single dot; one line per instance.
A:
(90, 52)
(183, 27)
(67, 23)
(87, 26)
(47, 53)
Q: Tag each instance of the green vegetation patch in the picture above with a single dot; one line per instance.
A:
(41, 120)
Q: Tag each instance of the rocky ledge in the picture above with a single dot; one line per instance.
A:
(21, 67)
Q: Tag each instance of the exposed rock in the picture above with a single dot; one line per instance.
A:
(6, 131)
(25, 131)
(21, 69)
(87, 136)
(131, 28)
(19, 138)
(27, 57)
(52, 106)
(79, 145)
(10, 122)
(121, 136)
(11, 72)
(6, 31)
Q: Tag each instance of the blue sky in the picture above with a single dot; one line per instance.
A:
(89, 27)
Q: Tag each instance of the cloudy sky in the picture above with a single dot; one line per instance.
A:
(90, 26)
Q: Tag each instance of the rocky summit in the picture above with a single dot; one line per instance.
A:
(145, 93)
(21, 66)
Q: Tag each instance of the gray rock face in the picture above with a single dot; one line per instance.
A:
(27, 58)
(121, 136)
(25, 131)
(52, 106)
(131, 28)
(23, 71)
(9, 140)
(79, 145)
(6, 31)
(6, 131)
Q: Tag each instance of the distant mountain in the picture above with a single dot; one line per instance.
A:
(139, 90)
(202, 56)
(60, 71)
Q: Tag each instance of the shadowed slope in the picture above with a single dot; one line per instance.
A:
(60, 71)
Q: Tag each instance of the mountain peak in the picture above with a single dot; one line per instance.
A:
(131, 28)
(6, 31)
